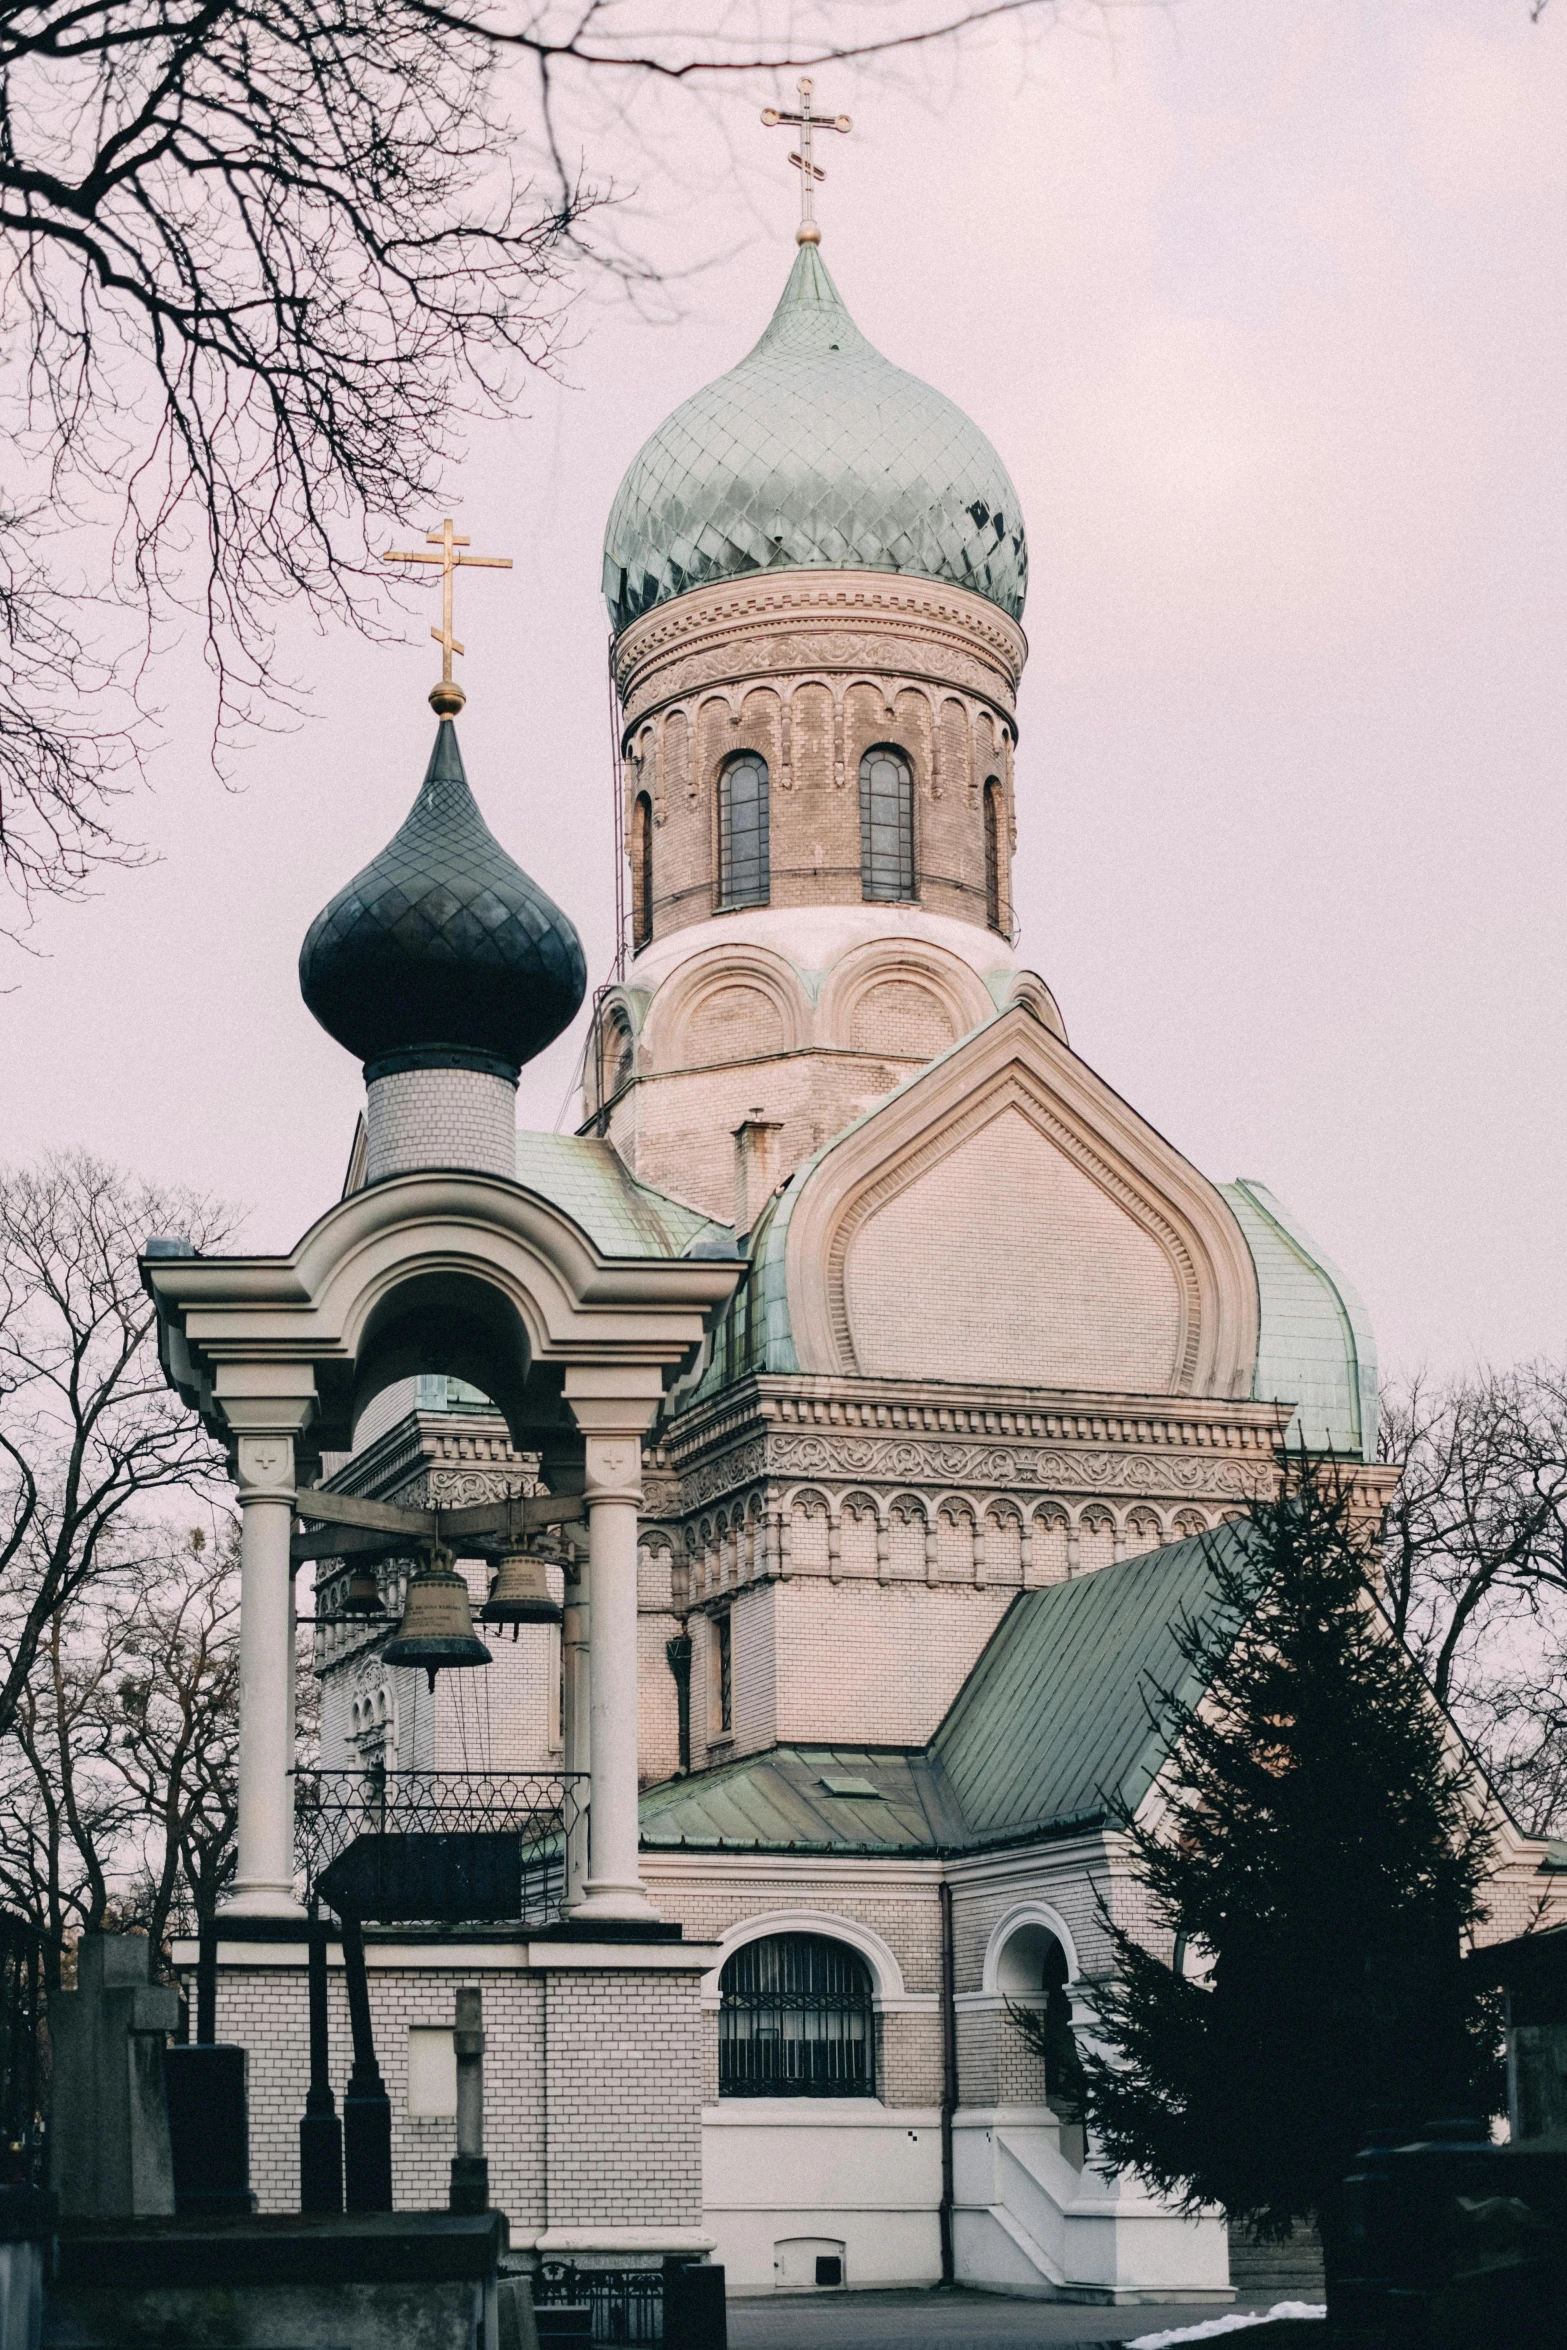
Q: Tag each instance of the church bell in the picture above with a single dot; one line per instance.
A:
(520, 1593)
(361, 1594)
(437, 1627)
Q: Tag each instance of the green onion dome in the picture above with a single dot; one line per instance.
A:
(442, 953)
(815, 453)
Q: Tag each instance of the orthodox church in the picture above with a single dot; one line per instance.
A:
(972, 1360)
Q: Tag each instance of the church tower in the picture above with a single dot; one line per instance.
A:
(995, 1331)
(815, 570)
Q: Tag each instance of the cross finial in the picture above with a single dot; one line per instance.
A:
(810, 172)
(447, 698)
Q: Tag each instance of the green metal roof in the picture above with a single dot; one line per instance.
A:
(1315, 1347)
(622, 1217)
(1050, 1730)
(779, 1801)
(1053, 1722)
(815, 452)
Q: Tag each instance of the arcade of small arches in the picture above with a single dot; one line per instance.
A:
(911, 1537)
(903, 1000)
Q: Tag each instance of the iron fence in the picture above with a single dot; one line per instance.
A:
(627, 2304)
(437, 1847)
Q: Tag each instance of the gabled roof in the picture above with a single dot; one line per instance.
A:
(1051, 1731)
(1054, 1721)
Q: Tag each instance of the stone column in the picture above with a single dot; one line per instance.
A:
(613, 1416)
(264, 1878)
(575, 1738)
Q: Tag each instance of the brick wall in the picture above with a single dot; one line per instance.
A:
(622, 2061)
(440, 1118)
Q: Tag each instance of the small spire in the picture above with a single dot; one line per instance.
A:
(447, 698)
(810, 172)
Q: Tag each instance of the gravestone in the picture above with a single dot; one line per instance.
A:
(109, 2151)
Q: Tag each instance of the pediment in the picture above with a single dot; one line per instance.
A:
(1007, 1218)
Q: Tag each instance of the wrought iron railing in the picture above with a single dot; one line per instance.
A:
(627, 2304)
(437, 1847)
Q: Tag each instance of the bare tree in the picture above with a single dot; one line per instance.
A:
(169, 1719)
(1475, 1565)
(260, 259)
(64, 1814)
(89, 1433)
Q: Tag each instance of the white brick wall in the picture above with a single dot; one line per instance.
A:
(440, 1118)
(591, 2085)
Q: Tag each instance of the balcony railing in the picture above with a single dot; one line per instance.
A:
(437, 1847)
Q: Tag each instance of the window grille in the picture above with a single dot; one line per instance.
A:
(742, 833)
(641, 872)
(726, 1674)
(796, 2020)
(993, 909)
(886, 825)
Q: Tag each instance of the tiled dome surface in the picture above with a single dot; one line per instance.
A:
(442, 940)
(816, 452)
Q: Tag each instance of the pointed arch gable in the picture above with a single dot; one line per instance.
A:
(1056, 1236)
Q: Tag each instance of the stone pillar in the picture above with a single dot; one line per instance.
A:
(575, 1733)
(264, 1879)
(614, 1409)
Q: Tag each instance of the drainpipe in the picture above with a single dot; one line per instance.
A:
(949, 2082)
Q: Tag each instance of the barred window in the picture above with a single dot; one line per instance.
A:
(742, 832)
(726, 1672)
(993, 814)
(886, 824)
(795, 2019)
(641, 872)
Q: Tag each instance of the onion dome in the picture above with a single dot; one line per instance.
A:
(442, 953)
(814, 452)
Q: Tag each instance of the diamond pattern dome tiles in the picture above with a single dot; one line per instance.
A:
(442, 949)
(815, 451)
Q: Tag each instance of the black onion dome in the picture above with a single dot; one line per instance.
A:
(442, 952)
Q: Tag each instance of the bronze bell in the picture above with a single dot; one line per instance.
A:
(361, 1595)
(437, 1626)
(520, 1593)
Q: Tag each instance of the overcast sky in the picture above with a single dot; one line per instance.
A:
(1262, 302)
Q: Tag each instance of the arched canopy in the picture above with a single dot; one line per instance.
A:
(463, 1273)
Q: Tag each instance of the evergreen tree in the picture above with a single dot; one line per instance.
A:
(1319, 1860)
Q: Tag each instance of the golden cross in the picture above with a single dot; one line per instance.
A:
(810, 172)
(447, 698)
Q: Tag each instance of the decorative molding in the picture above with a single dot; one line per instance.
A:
(1016, 1055)
(803, 627)
(1009, 1090)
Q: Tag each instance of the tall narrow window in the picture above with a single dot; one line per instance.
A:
(994, 912)
(886, 824)
(641, 872)
(726, 1673)
(742, 832)
(796, 2019)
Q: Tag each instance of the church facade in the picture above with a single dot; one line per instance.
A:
(989, 1364)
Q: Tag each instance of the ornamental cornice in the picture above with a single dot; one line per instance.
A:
(834, 625)
(922, 1410)
(904, 1461)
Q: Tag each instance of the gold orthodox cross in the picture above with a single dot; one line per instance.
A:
(447, 698)
(805, 122)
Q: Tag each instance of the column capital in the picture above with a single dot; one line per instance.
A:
(264, 1467)
(614, 1468)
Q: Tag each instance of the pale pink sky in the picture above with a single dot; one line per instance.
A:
(1263, 304)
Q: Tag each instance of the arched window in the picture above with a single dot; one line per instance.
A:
(995, 912)
(795, 2020)
(742, 832)
(886, 824)
(641, 872)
